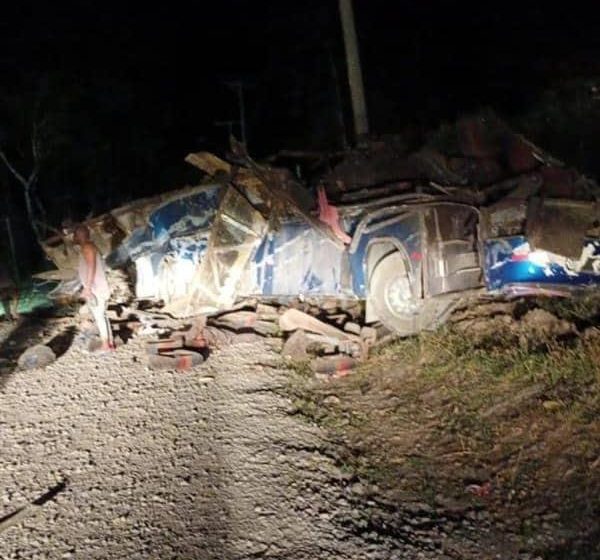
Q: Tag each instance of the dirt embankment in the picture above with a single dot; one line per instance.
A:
(482, 438)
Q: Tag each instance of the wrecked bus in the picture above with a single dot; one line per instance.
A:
(411, 257)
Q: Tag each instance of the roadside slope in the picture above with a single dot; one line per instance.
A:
(487, 429)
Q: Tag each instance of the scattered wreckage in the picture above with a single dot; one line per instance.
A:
(410, 240)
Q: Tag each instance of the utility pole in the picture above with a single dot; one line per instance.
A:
(359, 107)
(228, 125)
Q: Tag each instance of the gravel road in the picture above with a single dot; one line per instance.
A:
(206, 464)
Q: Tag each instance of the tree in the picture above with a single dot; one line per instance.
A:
(29, 134)
(28, 181)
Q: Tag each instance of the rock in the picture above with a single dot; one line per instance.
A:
(329, 304)
(217, 338)
(180, 360)
(244, 338)
(36, 357)
(243, 321)
(337, 319)
(368, 334)
(162, 344)
(320, 344)
(294, 319)
(267, 312)
(350, 347)
(591, 333)
(358, 489)
(295, 347)
(319, 348)
(351, 327)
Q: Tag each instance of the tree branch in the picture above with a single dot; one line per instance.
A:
(19, 177)
(34, 143)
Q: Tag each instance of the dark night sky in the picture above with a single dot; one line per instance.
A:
(143, 85)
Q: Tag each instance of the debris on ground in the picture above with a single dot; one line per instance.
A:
(295, 347)
(37, 356)
(180, 359)
(333, 366)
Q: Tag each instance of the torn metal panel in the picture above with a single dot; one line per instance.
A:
(146, 285)
(189, 213)
(134, 215)
(139, 227)
(236, 231)
(274, 188)
(513, 261)
(296, 260)
(285, 195)
(224, 172)
(168, 273)
(209, 163)
(177, 269)
(185, 214)
(452, 252)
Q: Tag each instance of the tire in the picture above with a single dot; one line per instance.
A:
(392, 298)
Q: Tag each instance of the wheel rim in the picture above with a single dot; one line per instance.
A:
(399, 298)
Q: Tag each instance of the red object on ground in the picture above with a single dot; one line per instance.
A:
(481, 490)
(335, 366)
(180, 360)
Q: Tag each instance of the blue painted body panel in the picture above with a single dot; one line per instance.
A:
(406, 231)
(177, 228)
(510, 262)
(297, 259)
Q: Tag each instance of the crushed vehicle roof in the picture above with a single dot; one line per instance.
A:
(478, 162)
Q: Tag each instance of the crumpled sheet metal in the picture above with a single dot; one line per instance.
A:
(292, 261)
(190, 213)
(168, 275)
(274, 189)
(236, 231)
(135, 214)
(513, 261)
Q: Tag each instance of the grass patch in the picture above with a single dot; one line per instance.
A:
(427, 416)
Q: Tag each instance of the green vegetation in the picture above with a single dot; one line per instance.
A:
(428, 416)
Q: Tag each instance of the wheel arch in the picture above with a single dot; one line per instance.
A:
(376, 251)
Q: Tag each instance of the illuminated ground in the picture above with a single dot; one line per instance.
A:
(208, 464)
